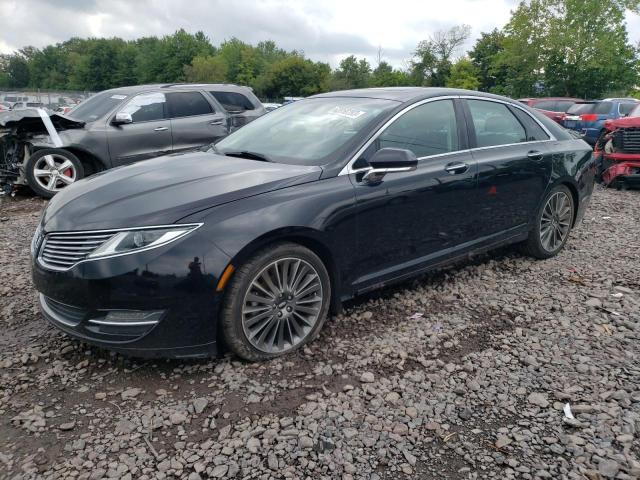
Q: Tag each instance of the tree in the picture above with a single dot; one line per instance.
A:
(295, 76)
(352, 73)
(385, 75)
(206, 69)
(433, 57)
(463, 74)
(483, 55)
(17, 73)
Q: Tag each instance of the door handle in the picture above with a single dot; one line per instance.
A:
(216, 122)
(456, 168)
(535, 155)
(160, 129)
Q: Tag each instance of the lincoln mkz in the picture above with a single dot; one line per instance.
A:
(250, 243)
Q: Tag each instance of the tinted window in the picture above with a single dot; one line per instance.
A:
(546, 105)
(97, 106)
(564, 105)
(188, 104)
(580, 108)
(429, 129)
(495, 124)
(602, 108)
(636, 111)
(146, 107)
(626, 108)
(534, 130)
(233, 101)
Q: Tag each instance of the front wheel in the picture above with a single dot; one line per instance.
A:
(553, 224)
(277, 302)
(51, 169)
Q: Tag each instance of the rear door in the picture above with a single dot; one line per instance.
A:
(514, 166)
(148, 136)
(194, 120)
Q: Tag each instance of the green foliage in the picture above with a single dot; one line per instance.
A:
(464, 74)
(352, 73)
(206, 69)
(386, 76)
(484, 57)
(433, 57)
(295, 76)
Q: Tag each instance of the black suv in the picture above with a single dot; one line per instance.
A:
(129, 124)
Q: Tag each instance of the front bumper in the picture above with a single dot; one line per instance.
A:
(158, 303)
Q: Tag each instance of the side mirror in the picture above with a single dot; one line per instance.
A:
(122, 118)
(389, 160)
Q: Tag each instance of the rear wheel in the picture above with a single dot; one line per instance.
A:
(276, 302)
(52, 169)
(553, 224)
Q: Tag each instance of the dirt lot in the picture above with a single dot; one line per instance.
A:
(461, 374)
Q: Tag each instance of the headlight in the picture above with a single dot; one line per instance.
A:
(141, 239)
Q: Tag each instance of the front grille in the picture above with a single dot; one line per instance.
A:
(627, 140)
(62, 251)
(67, 314)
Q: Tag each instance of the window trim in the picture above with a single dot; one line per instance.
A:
(348, 168)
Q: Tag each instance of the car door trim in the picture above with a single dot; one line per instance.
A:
(348, 168)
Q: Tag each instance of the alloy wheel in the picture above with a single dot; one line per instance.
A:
(54, 172)
(282, 305)
(555, 222)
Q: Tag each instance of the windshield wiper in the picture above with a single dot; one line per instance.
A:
(249, 155)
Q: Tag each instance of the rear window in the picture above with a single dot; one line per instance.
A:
(580, 108)
(546, 105)
(602, 108)
(626, 108)
(564, 105)
(233, 101)
(187, 104)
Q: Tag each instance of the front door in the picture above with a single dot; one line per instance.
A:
(411, 220)
(514, 166)
(194, 122)
(148, 136)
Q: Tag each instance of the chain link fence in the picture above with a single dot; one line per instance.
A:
(50, 99)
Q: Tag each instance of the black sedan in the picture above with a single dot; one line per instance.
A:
(252, 242)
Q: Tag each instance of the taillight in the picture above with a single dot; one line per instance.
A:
(589, 117)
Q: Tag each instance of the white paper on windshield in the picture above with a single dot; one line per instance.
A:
(118, 97)
(347, 112)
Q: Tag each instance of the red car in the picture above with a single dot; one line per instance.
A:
(553, 107)
(618, 151)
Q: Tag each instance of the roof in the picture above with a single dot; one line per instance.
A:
(406, 94)
(141, 88)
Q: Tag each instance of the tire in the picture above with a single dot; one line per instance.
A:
(52, 169)
(248, 326)
(550, 233)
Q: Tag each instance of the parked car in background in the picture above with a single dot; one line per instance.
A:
(5, 106)
(271, 106)
(64, 109)
(251, 243)
(23, 105)
(129, 124)
(618, 151)
(553, 107)
(588, 118)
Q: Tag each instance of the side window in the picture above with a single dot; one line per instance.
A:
(535, 132)
(495, 124)
(546, 105)
(187, 104)
(428, 129)
(232, 101)
(146, 107)
(625, 108)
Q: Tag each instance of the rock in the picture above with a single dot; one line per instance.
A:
(305, 442)
(367, 377)
(593, 302)
(502, 441)
(199, 404)
(608, 468)
(67, 426)
(130, 393)
(177, 418)
(124, 426)
(539, 399)
(220, 471)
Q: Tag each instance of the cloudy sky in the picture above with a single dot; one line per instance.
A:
(326, 30)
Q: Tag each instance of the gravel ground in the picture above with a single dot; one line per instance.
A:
(462, 374)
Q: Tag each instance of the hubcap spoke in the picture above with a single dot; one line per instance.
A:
(282, 305)
(555, 221)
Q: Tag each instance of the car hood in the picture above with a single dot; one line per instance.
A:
(163, 190)
(625, 122)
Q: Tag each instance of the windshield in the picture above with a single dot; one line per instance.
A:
(635, 112)
(306, 132)
(96, 107)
